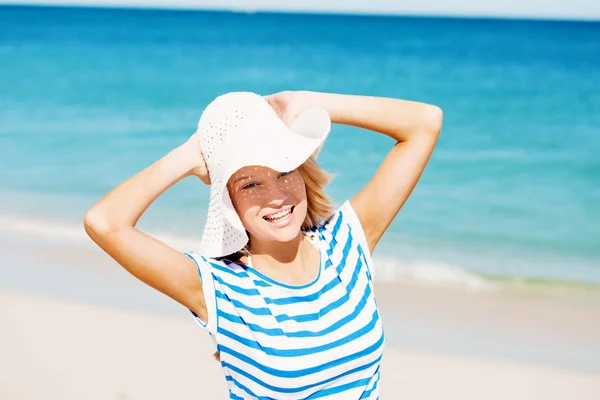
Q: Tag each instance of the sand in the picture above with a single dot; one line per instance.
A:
(75, 325)
(65, 350)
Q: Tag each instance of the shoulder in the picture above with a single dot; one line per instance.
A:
(343, 225)
(217, 266)
(343, 215)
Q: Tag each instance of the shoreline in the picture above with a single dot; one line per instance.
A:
(430, 273)
(557, 328)
(74, 351)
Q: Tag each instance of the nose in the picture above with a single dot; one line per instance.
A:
(277, 194)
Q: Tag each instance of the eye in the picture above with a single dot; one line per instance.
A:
(286, 173)
(249, 185)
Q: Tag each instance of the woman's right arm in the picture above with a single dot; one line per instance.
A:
(111, 225)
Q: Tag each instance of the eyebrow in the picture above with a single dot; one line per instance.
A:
(241, 178)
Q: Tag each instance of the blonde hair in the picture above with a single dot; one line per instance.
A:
(319, 207)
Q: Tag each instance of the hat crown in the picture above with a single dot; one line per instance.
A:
(223, 122)
(241, 129)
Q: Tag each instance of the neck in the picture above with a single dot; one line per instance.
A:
(274, 252)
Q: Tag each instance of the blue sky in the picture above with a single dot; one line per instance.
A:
(568, 9)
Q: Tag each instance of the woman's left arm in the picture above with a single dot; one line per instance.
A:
(414, 126)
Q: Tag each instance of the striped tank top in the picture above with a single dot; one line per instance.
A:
(321, 340)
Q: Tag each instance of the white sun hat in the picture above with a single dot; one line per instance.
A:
(241, 129)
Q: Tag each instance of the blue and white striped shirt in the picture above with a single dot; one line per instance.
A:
(321, 340)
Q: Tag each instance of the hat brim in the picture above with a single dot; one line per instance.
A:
(278, 146)
(266, 141)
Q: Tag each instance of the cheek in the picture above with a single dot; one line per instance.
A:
(244, 200)
(295, 186)
(247, 204)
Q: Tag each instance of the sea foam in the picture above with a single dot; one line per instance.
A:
(387, 269)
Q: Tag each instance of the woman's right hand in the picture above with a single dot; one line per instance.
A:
(194, 150)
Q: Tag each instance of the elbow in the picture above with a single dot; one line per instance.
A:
(434, 117)
(95, 222)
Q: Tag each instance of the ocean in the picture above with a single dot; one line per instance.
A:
(90, 96)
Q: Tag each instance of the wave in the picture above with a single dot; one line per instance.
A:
(420, 272)
(42, 228)
(429, 272)
(68, 231)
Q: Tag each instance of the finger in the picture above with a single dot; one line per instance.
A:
(270, 99)
(276, 106)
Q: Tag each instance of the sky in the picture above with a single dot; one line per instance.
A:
(553, 9)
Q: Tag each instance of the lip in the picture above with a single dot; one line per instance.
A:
(285, 221)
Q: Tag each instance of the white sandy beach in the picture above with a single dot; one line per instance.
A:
(76, 326)
(61, 350)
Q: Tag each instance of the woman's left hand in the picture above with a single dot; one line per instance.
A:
(287, 105)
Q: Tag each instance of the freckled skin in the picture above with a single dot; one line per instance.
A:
(257, 191)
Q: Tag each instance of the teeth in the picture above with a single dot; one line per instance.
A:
(278, 215)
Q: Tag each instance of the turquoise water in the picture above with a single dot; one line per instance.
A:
(90, 96)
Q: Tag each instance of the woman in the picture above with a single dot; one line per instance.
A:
(281, 281)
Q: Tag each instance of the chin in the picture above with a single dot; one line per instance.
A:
(286, 234)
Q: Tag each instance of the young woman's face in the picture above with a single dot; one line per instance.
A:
(272, 205)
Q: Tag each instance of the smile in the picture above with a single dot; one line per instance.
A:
(280, 216)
